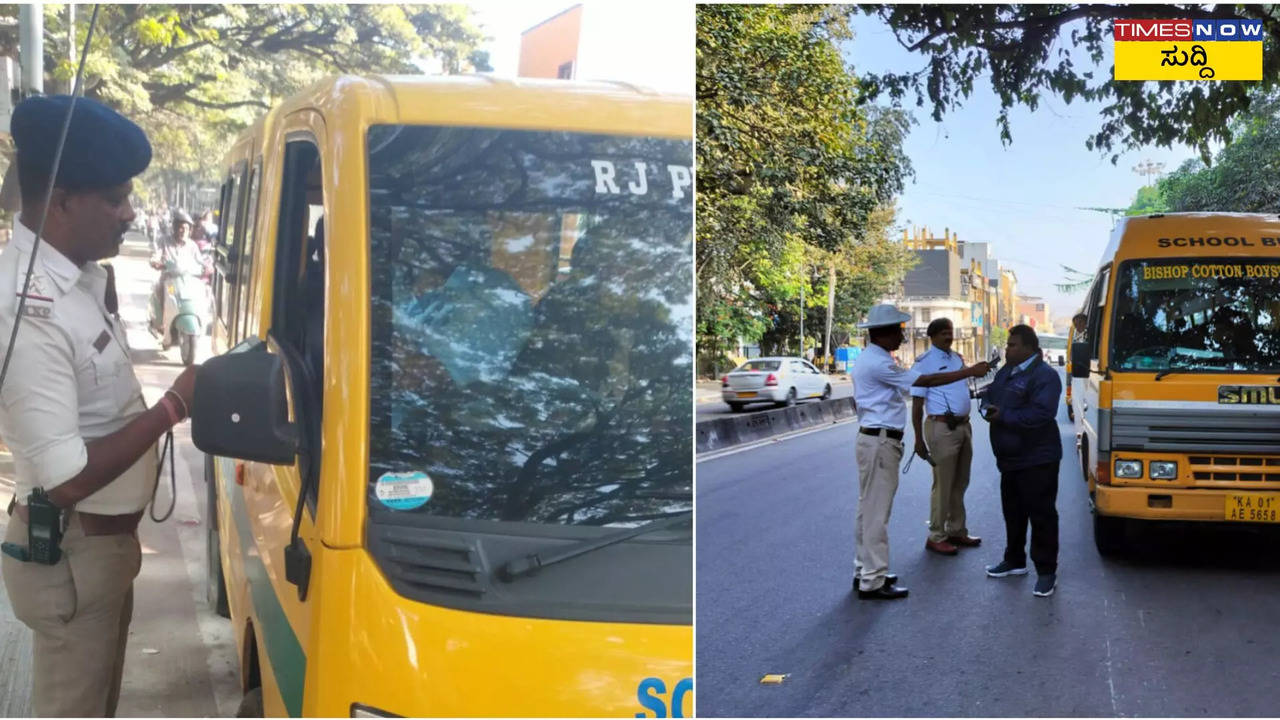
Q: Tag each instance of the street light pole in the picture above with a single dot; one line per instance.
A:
(31, 47)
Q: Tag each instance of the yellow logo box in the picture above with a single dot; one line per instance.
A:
(1184, 60)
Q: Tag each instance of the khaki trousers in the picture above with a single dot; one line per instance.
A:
(952, 453)
(79, 611)
(878, 459)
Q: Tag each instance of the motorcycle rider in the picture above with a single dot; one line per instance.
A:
(176, 256)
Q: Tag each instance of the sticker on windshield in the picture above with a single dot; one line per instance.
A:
(404, 490)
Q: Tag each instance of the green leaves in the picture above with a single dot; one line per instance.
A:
(1245, 174)
(792, 165)
(1016, 42)
(194, 75)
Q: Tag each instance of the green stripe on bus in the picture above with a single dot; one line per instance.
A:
(285, 658)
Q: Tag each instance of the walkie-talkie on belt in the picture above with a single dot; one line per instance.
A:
(44, 529)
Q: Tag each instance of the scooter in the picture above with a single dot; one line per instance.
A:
(185, 311)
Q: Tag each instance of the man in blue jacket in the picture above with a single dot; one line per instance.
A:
(1022, 406)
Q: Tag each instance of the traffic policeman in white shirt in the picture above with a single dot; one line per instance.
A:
(879, 386)
(71, 409)
(940, 417)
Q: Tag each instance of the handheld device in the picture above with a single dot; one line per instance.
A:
(44, 532)
(994, 359)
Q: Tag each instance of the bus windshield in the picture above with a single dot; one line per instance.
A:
(532, 315)
(1210, 314)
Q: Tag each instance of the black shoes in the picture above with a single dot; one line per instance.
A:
(889, 579)
(884, 592)
(1045, 585)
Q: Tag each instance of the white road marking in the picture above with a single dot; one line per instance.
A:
(1111, 683)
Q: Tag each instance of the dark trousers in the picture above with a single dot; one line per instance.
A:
(1030, 494)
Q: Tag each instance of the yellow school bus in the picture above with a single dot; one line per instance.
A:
(448, 438)
(1182, 357)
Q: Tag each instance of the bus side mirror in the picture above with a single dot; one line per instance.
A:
(1080, 360)
(240, 409)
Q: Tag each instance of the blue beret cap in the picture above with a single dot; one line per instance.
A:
(103, 147)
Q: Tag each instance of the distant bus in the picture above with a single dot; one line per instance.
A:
(1054, 348)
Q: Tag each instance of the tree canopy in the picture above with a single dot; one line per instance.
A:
(1244, 175)
(1027, 49)
(793, 166)
(193, 75)
(1148, 200)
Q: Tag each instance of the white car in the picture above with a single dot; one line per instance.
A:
(781, 380)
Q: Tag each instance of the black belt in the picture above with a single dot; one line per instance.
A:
(888, 432)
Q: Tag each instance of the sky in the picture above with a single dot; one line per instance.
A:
(1020, 197)
(649, 43)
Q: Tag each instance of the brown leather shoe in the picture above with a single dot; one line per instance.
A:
(964, 540)
(942, 548)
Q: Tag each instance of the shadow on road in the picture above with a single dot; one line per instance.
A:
(1204, 546)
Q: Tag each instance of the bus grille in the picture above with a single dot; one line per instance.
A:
(1235, 468)
(1210, 430)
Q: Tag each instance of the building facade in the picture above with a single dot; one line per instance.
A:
(941, 285)
(1034, 311)
(550, 48)
(1008, 298)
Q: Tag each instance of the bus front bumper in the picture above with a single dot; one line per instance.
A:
(1158, 503)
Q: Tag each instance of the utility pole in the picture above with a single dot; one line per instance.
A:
(802, 315)
(71, 45)
(827, 351)
(31, 47)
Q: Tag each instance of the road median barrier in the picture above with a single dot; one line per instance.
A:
(726, 432)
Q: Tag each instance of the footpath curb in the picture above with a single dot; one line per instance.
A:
(726, 432)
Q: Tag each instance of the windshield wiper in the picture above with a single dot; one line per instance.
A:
(531, 564)
(1169, 371)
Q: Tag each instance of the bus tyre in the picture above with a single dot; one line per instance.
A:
(215, 583)
(1071, 413)
(1108, 534)
(251, 704)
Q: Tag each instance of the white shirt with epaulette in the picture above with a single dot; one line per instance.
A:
(940, 398)
(879, 385)
(70, 378)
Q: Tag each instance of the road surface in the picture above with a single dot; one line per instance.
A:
(1187, 627)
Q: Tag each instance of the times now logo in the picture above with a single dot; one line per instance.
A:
(1194, 30)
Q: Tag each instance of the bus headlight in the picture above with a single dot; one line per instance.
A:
(1164, 470)
(1128, 469)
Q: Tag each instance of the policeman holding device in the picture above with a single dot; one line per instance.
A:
(71, 409)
